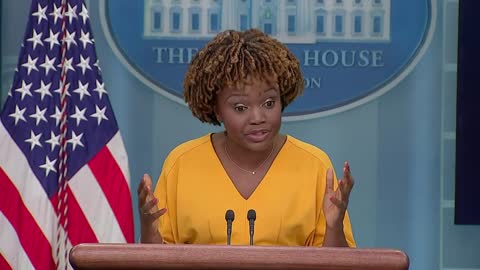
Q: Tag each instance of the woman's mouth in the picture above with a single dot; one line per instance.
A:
(257, 135)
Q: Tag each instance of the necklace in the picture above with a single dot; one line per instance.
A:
(245, 170)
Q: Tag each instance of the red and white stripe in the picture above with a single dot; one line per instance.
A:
(100, 209)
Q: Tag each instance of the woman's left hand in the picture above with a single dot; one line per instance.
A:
(335, 202)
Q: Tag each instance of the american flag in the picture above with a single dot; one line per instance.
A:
(57, 124)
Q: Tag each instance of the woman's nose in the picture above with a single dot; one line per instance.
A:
(257, 115)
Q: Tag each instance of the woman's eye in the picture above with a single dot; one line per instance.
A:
(240, 108)
(269, 103)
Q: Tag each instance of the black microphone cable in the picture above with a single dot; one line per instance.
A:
(229, 217)
(251, 216)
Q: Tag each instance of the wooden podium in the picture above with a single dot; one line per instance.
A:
(157, 256)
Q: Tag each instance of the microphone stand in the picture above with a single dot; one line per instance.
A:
(251, 216)
(229, 217)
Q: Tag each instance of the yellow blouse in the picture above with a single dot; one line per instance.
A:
(197, 191)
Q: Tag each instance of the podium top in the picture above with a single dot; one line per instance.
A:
(157, 256)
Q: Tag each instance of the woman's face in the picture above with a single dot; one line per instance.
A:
(251, 113)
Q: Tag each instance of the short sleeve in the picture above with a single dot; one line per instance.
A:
(166, 194)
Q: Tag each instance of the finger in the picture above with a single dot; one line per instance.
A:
(142, 184)
(158, 213)
(329, 187)
(147, 207)
(342, 189)
(141, 193)
(142, 197)
(346, 184)
(347, 174)
(151, 217)
(144, 190)
(339, 203)
(148, 180)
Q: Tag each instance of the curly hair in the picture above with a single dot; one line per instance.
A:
(228, 59)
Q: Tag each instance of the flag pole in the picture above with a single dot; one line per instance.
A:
(62, 206)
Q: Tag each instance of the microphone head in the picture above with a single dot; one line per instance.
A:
(229, 215)
(251, 215)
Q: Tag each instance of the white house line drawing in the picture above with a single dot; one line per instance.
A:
(290, 21)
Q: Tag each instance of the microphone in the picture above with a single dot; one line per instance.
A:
(251, 216)
(229, 217)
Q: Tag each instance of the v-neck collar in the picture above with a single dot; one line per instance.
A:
(265, 178)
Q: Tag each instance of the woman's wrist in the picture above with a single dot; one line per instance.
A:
(152, 239)
(150, 234)
(335, 237)
(335, 228)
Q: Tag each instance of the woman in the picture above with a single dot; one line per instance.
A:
(244, 80)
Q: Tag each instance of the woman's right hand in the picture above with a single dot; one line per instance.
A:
(149, 212)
